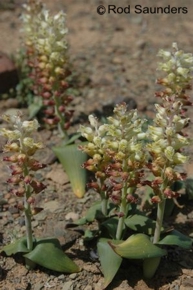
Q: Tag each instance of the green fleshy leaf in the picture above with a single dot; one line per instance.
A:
(110, 227)
(189, 188)
(19, 246)
(141, 224)
(72, 159)
(89, 235)
(110, 261)
(48, 253)
(150, 266)
(79, 222)
(176, 238)
(71, 139)
(94, 212)
(138, 246)
(35, 107)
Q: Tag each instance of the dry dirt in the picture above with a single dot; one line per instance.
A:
(113, 56)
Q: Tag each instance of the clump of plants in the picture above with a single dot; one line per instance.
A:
(124, 156)
(45, 77)
(20, 150)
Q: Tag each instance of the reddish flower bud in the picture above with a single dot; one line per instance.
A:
(21, 158)
(15, 169)
(37, 186)
(31, 200)
(35, 165)
(170, 193)
(43, 80)
(155, 199)
(61, 109)
(46, 95)
(27, 179)
(49, 112)
(18, 192)
(47, 87)
(64, 84)
(48, 102)
(20, 205)
(36, 210)
(14, 179)
(93, 185)
(12, 158)
(120, 214)
(49, 121)
(131, 199)
(118, 186)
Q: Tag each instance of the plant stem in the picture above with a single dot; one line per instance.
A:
(159, 221)
(123, 209)
(104, 201)
(28, 224)
(61, 123)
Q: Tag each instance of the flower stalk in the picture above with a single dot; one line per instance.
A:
(21, 147)
(116, 158)
(166, 136)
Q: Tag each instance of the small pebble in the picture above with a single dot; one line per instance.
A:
(73, 276)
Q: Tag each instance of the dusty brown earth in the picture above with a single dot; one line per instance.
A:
(113, 56)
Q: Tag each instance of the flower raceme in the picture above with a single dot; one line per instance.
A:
(46, 45)
(21, 148)
(116, 152)
(166, 136)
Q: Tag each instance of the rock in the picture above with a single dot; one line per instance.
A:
(117, 60)
(187, 284)
(68, 286)
(58, 175)
(8, 74)
(38, 286)
(88, 287)
(73, 276)
(54, 206)
(71, 216)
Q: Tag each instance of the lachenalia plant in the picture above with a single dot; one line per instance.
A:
(47, 54)
(168, 138)
(117, 159)
(20, 150)
(122, 154)
(46, 51)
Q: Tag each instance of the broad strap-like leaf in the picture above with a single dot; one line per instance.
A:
(71, 159)
(138, 246)
(110, 261)
(19, 246)
(48, 253)
(176, 238)
(150, 266)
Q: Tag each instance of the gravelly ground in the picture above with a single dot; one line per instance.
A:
(113, 56)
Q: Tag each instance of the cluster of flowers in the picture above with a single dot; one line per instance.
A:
(166, 136)
(45, 41)
(20, 149)
(118, 151)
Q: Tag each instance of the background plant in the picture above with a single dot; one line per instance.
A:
(47, 59)
(46, 53)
